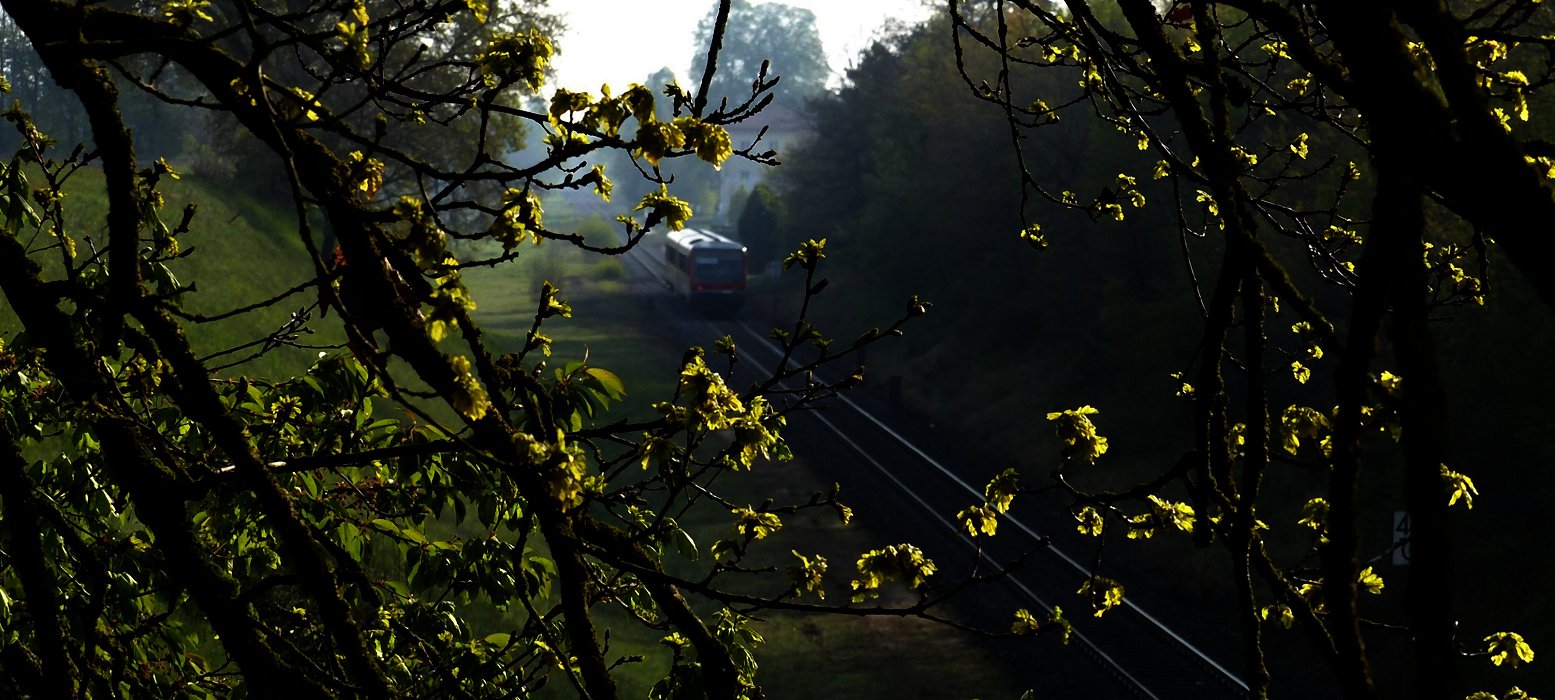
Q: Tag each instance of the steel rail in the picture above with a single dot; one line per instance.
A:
(1102, 657)
(1094, 649)
(1023, 527)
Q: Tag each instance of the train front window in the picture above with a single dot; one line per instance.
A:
(718, 267)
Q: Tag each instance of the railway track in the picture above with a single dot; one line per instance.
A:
(1145, 656)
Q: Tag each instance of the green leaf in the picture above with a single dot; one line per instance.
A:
(686, 545)
(609, 381)
(310, 484)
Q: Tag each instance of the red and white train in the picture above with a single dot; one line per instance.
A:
(706, 269)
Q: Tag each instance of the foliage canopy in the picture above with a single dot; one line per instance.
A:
(174, 529)
(175, 525)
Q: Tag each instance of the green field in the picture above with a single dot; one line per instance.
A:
(238, 251)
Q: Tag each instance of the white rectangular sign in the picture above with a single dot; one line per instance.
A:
(1400, 538)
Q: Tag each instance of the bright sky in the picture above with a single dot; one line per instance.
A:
(603, 42)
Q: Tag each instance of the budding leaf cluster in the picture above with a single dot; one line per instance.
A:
(1075, 428)
(1027, 624)
(898, 562)
(1103, 593)
(1508, 648)
(516, 58)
